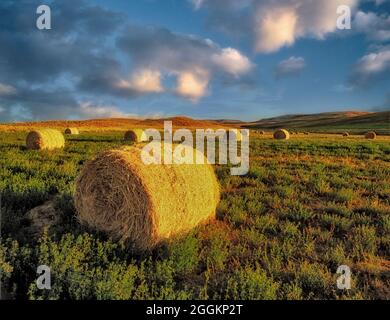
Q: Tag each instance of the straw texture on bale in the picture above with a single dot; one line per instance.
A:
(370, 135)
(144, 204)
(281, 134)
(135, 135)
(345, 134)
(47, 139)
(72, 131)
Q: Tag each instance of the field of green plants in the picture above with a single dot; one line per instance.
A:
(307, 206)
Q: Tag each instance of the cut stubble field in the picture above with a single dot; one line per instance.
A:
(307, 206)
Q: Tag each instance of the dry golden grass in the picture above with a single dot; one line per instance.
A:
(118, 194)
(45, 139)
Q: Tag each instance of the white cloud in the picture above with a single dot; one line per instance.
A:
(342, 88)
(377, 27)
(194, 61)
(379, 2)
(274, 24)
(371, 66)
(279, 26)
(290, 66)
(275, 28)
(192, 84)
(143, 81)
(374, 62)
(232, 61)
(90, 110)
(6, 89)
(197, 3)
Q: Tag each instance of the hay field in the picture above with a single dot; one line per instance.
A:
(307, 206)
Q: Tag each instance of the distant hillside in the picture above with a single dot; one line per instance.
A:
(332, 121)
(324, 122)
(112, 124)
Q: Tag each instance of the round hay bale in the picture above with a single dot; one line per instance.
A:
(72, 131)
(235, 133)
(370, 135)
(261, 132)
(135, 135)
(345, 134)
(45, 139)
(281, 134)
(144, 204)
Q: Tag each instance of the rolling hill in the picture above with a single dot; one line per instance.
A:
(353, 121)
(328, 122)
(111, 124)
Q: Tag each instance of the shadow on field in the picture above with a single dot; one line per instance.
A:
(94, 140)
(41, 212)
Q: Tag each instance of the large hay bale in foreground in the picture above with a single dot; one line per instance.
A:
(370, 135)
(72, 131)
(135, 135)
(144, 204)
(281, 134)
(48, 139)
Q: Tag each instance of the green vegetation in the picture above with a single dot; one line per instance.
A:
(307, 206)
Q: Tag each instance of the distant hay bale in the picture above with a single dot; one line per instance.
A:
(45, 139)
(307, 133)
(345, 134)
(370, 135)
(234, 134)
(135, 135)
(144, 204)
(281, 134)
(72, 131)
(261, 132)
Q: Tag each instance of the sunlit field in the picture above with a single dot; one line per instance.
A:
(307, 206)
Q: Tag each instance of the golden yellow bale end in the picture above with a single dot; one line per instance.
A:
(72, 131)
(144, 204)
(135, 135)
(370, 135)
(45, 139)
(281, 134)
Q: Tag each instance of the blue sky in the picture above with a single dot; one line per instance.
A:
(247, 59)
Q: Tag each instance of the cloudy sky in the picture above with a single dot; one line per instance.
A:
(242, 59)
